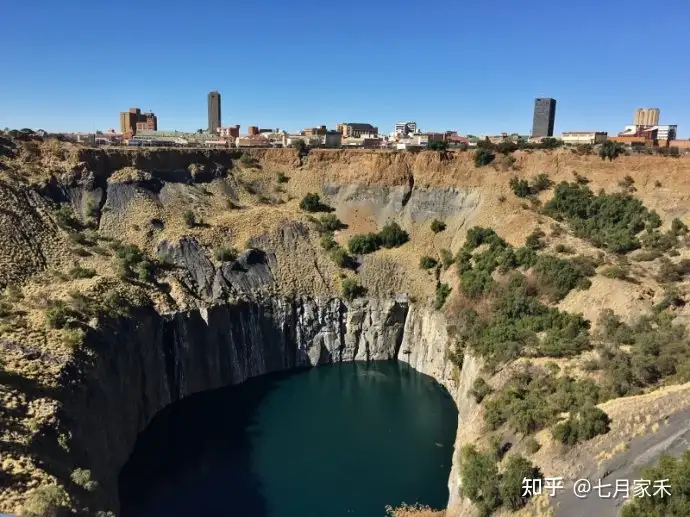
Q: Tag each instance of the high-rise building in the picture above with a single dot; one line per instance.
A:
(134, 120)
(646, 117)
(213, 112)
(544, 117)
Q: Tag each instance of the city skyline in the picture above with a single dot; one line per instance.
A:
(272, 77)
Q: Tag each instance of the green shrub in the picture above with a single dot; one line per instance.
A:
(437, 226)
(46, 501)
(392, 236)
(312, 203)
(246, 160)
(330, 223)
(655, 240)
(363, 244)
(58, 314)
(677, 504)
(145, 271)
(66, 219)
(82, 272)
(562, 248)
(437, 145)
(447, 258)
(82, 478)
(584, 425)
(282, 178)
(189, 219)
(6, 309)
(520, 187)
(427, 262)
(511, 488)
(341, 258)
(483, 157)
(534, 240)
(351, 289)
(525, 257)
(328, 242)
(557, 277)
(224, 254)
(480, 390)
(128, 256)
(72, 337)
(678, 227)
(442, 292)
(670, 272)
(611, 150)
(480, 479)
(615, 272)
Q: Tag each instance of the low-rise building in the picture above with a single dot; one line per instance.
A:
(659, 132)
(357, 130)
(252, 141)
(134, 121)
(584, 137)
(405, 128)
(315, 131)
(229, 131)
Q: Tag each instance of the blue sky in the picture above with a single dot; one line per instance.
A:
(473, 66)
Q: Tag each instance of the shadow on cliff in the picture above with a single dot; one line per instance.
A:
(195, 458)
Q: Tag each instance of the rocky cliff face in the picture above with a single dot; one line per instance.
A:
(152, 360)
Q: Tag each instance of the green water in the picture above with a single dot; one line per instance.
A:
(339, 440)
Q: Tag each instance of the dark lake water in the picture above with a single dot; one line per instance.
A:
(338, 440)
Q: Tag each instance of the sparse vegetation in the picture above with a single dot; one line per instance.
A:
(281, 177)
(610, 221)
(224, 254)
(437, 226)
(81, 272)
(58, 314)
(189, 219)
(442, 292)
(427, 262)
(483, 157)
(351, 289)
(341, 258)
(562, 248)
(46, 501)
(447, 258)
(532, 446)
(480, 390)
(531, 401)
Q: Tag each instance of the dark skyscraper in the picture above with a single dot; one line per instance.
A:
(544, 116)
(213, 112)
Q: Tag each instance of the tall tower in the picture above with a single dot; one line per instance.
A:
(544, 116)
(647, 116)
(213, 112)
